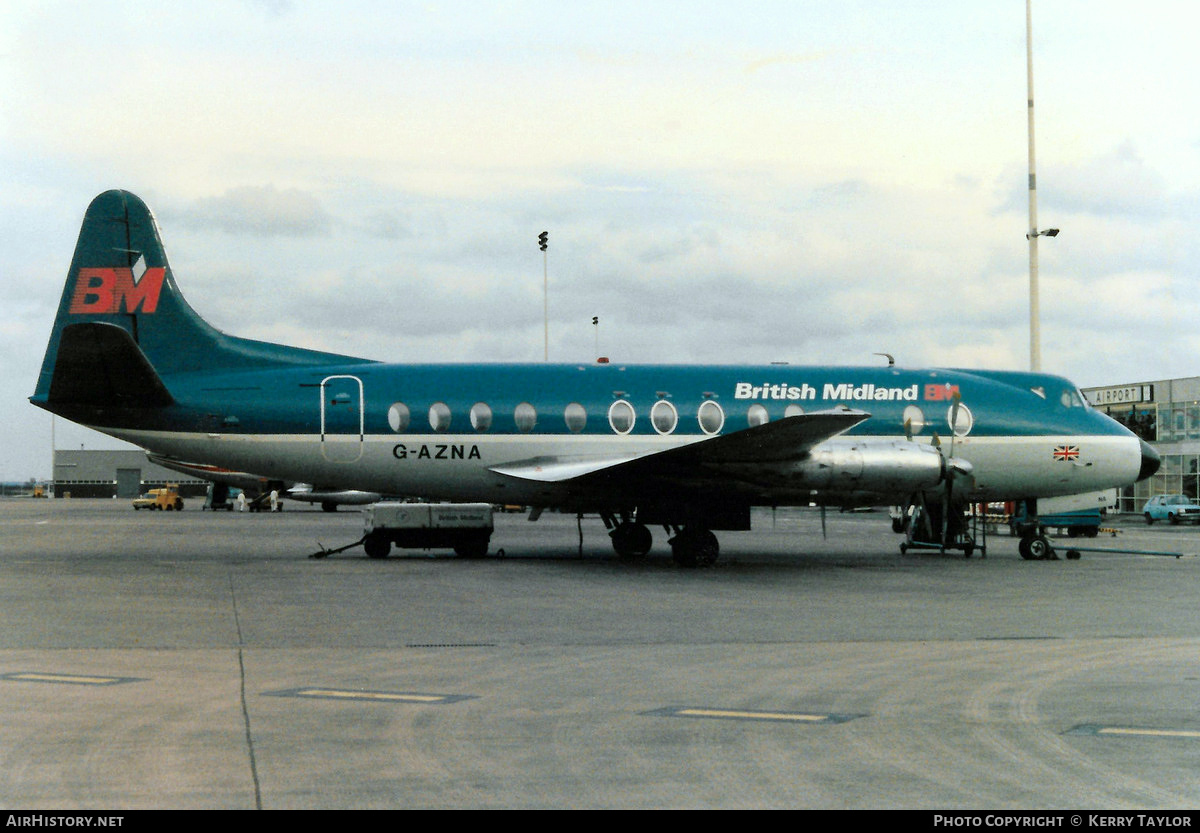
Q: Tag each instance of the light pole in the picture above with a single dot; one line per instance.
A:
(1035, 327)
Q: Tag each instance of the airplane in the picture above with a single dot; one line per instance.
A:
(222, 478)
(688, 448)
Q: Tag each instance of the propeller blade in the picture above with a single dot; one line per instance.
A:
(954, 420)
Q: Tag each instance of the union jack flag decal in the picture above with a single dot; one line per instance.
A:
(1066, 453)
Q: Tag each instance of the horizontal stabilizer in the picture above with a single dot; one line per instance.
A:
(99, 365)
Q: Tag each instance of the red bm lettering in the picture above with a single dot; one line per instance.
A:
(106, 291)
(940, 393)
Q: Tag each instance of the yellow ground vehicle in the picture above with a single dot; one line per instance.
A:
(166, 498)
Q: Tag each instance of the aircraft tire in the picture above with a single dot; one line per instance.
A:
(377, 546)
(695, 548)
(631, 541)
(1040, 549)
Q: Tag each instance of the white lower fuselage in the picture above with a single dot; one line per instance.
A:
(460, 466)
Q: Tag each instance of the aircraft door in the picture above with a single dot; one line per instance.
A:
(342, 425)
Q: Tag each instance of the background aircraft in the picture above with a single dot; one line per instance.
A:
(691, 448)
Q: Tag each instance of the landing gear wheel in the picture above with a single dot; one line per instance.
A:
(377, 546)
(695, 548)
(631, 541)
(1036, 548)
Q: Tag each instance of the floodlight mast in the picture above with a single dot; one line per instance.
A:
(1035, 334)
(1035, 327)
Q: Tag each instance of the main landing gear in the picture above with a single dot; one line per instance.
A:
(691, 546)
(631, 540)
(695, 546)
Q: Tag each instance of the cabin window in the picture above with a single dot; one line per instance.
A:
(792, 410)
(576, 417)
(914, 420)
(525, 416)
(621, 416)
(960, 419)
(481, 416)
(398, 417)
(711, 417)
(664, 417)
(439, 417)
(757, 415)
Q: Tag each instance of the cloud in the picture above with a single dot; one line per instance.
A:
(1118, 183)
(263, 211)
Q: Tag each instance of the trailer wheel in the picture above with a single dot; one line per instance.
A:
(475, 547)
(377, 546)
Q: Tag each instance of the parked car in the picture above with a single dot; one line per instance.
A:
(1174, 508)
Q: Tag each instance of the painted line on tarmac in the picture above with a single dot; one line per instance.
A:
(752, 715)
(1130, 731)
(370, 696)
(66, 679)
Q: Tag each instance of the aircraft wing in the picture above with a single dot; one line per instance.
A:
(790, 438)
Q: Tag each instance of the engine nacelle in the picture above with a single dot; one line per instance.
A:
(885, 467)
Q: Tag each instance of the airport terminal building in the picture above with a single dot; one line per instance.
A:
(1165, 414)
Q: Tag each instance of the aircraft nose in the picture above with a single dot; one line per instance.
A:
(1150, 461)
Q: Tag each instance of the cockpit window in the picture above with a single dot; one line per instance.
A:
(1071, 398)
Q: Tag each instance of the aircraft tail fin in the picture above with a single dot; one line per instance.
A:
(120, 280)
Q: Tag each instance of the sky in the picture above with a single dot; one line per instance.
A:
(811, 182)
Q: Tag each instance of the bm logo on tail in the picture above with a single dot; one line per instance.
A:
(115, 290)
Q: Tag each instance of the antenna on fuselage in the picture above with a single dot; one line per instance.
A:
(891, 359)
